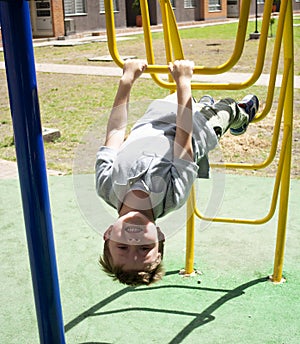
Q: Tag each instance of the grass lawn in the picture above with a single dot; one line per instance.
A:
(76, 103)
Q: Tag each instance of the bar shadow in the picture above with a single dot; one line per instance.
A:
(200, 319)
(94, 343)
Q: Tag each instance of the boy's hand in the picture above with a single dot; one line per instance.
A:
(181, 70)
(133, 69)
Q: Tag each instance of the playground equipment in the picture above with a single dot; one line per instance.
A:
(22, 86)
(174, 51)
(21, 78)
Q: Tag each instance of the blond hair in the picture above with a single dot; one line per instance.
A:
(152, 274)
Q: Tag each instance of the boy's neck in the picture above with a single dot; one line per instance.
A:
(137, 200)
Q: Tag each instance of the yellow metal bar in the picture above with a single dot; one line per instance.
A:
(163, 69)
(111, 33)
(173, 32)
(286, 134)
(193, 211)
(166, 31)
(220, 69)
(173, 46)
(288, 122)
(281, 103)
(167, 36)
(158, 69)
(175, 41)
(276, 129)
(283, 171)
(288, 67)
(190, 234)
(275, 61)
(147, 31)
(239, 44)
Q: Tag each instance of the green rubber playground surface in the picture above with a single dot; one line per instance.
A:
(232, 301)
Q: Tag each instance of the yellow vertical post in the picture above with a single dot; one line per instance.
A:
(173, 46)
(190, 234)
(147, 31)
(288, 123)
(166, 31)
(111, 32)
(167, 36)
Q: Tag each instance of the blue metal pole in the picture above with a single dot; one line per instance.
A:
(22, 87)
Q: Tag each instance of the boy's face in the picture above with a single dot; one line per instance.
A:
(133, 242)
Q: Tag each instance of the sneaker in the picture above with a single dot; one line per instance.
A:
(208, 100)
(250, 105)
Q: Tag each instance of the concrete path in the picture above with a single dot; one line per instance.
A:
(9, 170)
(116, 71)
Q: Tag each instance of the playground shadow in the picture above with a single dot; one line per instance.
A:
(199, 319)
(94, 343)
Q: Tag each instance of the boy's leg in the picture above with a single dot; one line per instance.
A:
(222, 114)
(226, 114)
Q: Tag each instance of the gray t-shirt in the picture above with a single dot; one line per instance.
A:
(145, 160)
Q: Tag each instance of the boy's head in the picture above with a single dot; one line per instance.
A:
(133, 250)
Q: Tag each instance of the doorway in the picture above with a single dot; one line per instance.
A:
(41, 18)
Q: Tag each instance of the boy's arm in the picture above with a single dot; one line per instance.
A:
(182, 72)
(117, 122)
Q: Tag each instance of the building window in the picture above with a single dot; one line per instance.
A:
(214, 5)
(173, 3)
(115, 4)
(75, 7)
(189, 3)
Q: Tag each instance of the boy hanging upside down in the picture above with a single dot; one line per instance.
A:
(152, 172)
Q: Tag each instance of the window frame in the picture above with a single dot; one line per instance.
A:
(189, 4)
(116, 6)
(73, 5)
(214, 5)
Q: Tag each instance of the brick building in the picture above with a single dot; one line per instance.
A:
(54, 18)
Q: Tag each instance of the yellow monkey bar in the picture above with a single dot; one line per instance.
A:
(174, 50)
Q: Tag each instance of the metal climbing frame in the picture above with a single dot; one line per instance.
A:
(284, 115)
